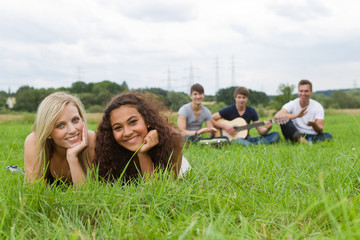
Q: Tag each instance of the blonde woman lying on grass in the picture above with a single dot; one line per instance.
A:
(60, 146)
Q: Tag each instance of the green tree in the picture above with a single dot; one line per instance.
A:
(3, 98)
(103, 97)
(346, 99)
(216, 107)
(108, 86)
(286, 94)
(28, 98)
(25, 99)
(258, 98)
(324, 100)
(157, 91)
(125, 86)
(79, 87)
(88, 99)
(176, 100)
(42, 93)
(355, 95)
(225, 95)
(209, 98)
(104, 91)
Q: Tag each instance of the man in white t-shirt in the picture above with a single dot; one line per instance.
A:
(192, 115)
(306, 115)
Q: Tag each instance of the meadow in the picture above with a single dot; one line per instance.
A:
(281, 191)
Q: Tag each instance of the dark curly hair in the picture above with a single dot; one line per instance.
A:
(113, 158)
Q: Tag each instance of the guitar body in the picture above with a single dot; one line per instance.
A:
(237, 122)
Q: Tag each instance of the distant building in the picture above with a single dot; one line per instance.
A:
(10, 102)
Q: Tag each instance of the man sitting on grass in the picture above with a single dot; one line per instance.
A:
(241, 110)
(192, 115)
(307, 117)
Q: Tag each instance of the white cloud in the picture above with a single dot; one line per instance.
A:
(157, 11)
(44, 42)
(300, 10)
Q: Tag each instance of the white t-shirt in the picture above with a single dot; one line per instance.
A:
(314, 111)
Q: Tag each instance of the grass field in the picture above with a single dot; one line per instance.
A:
(282, 191)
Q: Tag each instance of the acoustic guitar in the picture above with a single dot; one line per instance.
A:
(242, 128)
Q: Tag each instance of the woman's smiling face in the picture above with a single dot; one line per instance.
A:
(68, 127)
(128, 126)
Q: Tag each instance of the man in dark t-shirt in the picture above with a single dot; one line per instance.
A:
(240, 114)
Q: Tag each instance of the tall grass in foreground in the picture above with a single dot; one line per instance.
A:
(282, 191)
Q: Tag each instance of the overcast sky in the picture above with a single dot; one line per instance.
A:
(258, 44)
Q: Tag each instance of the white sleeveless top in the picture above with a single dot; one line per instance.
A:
(185, 167)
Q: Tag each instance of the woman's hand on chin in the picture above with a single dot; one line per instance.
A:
(151, 140)
(73, 153)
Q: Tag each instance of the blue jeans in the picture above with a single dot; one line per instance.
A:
(290, 132)
(266, 139)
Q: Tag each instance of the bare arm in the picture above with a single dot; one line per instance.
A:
(210, 127)
(284, 113)
(182, 127)
(317, 124)
(78, 175)
(264, 130)
(227, 128)
(146, 163)
(29, 157)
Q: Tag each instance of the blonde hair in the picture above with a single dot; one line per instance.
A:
(48, 112)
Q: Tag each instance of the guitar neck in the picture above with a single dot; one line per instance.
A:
(249, 126)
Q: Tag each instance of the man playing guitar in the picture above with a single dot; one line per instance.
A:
(241, 110)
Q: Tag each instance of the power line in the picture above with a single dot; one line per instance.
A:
(79, 74)
(191, 75)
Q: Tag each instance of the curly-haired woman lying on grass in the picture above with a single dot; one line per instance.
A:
(135, 138)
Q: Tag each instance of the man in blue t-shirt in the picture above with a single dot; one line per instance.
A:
(240, 110)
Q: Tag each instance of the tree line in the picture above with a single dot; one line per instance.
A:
(95, 96)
